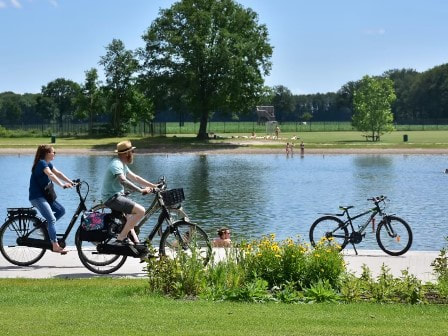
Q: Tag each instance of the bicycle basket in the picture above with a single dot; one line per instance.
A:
(173, 196)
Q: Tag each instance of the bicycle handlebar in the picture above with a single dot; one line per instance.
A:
(161, 185)
(377, 199)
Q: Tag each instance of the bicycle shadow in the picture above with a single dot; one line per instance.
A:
(93, 275)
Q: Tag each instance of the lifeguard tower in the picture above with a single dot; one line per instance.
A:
(265, 113)
(266, 116)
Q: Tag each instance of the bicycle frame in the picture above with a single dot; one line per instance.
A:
(61, 237)
(156, 205)
(361, 228)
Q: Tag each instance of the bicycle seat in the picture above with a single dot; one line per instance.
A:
(345, 208)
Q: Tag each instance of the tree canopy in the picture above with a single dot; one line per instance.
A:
(208, 55)
(372, 102)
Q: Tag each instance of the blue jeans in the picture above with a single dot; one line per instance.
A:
(51, 212)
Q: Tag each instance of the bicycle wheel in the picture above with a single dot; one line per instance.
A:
(394, 235)
(329, 227)
(20, 227)
(97, 262)
(186, 237)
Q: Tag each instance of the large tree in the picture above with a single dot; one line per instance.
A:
(210, 54)
(372, 102)
(120, 68)
(90, 102)
(63, 92)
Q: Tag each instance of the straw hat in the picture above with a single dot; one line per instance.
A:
(124, 147)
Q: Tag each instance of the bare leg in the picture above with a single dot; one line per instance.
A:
(137, 213)
(134, 236)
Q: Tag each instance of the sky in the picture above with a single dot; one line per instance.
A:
(319, 45)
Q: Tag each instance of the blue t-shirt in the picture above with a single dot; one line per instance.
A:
(111, 182)
(39, 179)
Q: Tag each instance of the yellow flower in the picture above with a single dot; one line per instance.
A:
(278, 255)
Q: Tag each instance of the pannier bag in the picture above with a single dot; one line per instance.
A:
(92, 220)
(94, 226)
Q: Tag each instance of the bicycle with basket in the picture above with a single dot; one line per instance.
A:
(100, 256)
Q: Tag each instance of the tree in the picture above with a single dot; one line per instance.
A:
(429, 94)
(372, 102)
(89, 100)
(210, 54)
(63, 92)
(10, 111)
(404, 80)
(284, 103)
(46, 108)
(120, 68)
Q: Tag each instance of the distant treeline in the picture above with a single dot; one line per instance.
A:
(420, 96)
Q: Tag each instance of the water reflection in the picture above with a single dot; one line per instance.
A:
(262, 194)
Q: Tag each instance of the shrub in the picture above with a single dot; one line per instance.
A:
(322, 291)
(183, 276)
(440, 266)
(293, 262)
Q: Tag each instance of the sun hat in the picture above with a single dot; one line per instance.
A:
(124, 147)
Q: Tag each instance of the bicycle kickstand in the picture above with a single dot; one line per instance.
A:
(354, 247)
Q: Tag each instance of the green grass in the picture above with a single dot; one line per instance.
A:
(107, 306)
(341, 139)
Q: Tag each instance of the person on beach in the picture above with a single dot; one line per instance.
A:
(43, 173)
(223, 239)
(117, 177)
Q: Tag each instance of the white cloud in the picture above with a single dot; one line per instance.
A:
(54, 3)
(16, 4)
(2, 5)
(376, 31)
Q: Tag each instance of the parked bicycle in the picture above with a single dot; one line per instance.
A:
(24, 237)
(393, 234)
(100, 256)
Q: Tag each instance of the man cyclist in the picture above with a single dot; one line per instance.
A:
(118, 176)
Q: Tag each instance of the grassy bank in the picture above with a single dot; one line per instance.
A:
(342, 139)
(123, 307)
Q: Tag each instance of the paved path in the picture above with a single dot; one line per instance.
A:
(68, 266)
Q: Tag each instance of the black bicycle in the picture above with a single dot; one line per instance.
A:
(99, 255)
(24, 236)
(393, 234)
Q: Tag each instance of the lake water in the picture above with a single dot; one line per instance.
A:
(256, 195)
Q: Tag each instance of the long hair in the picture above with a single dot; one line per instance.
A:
(41, 151)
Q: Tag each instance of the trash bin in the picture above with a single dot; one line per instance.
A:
(405, 137)
(53, 139)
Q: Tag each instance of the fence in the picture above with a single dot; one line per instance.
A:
(80, 129)
(292, 127)
(164, 128)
